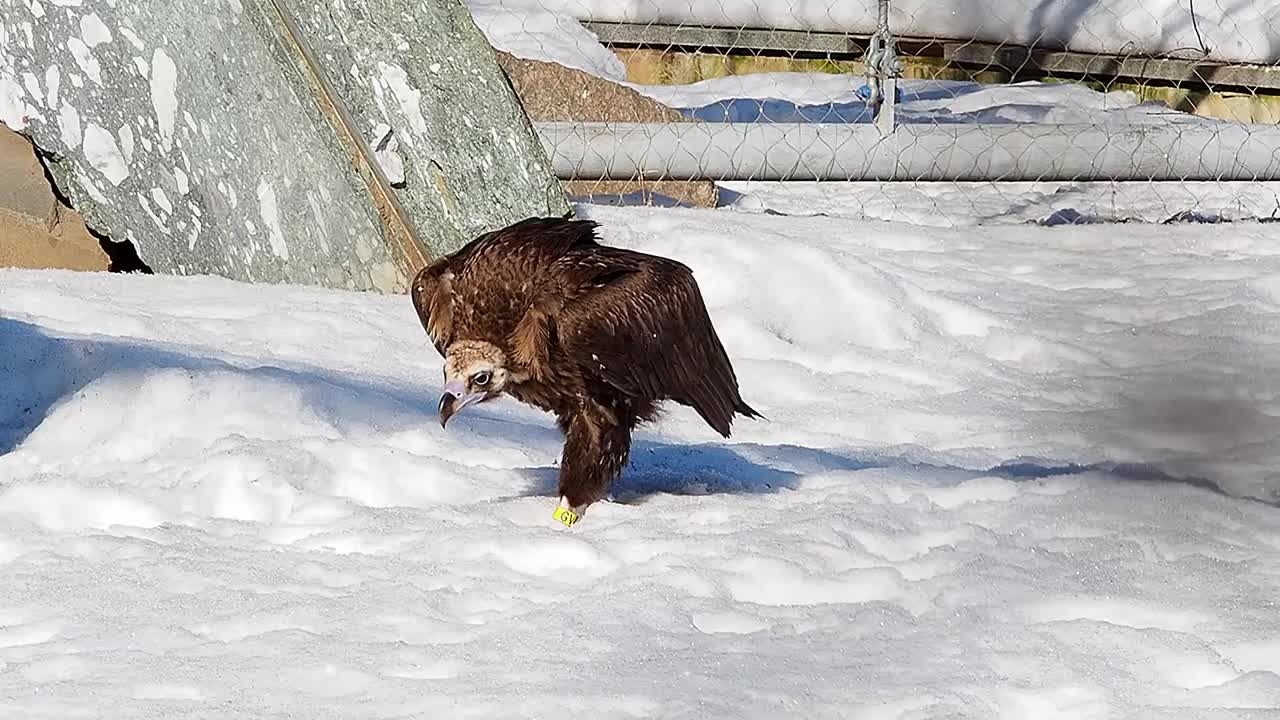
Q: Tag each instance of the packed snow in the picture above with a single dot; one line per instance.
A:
(1006, 472)
(534, 33)
(1218, 30)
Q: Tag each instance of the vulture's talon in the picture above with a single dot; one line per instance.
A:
(565, 514)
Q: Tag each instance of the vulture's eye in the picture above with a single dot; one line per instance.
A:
(481, 378)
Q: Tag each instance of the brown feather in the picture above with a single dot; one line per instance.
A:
(432, 296)
(531, 340)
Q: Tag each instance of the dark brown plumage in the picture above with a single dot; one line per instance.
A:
(600, 336)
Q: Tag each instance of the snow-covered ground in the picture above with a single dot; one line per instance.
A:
(1219, 30)
(223, 500)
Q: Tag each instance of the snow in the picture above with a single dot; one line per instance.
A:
(1222, 31)
(1008, 470)
(530, 31)
(548, 31)
(221, 498)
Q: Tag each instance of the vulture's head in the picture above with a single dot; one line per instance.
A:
(474, 371)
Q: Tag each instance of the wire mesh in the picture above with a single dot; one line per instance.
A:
(995, 111)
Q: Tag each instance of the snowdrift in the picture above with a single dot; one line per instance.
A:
(1246, 33)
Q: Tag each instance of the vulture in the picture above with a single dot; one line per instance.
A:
(599, 336)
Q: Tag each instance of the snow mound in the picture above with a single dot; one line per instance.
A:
(1215, 31)
(532, 32)
(1006, 472)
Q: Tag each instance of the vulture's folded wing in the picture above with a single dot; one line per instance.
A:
(432, 296)
(645, 331)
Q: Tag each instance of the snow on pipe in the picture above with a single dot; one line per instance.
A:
(958, 152)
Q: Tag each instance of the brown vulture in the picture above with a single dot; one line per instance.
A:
(597, 335)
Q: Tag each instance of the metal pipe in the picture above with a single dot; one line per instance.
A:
(956, 152)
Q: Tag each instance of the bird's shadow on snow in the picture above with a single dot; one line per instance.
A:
(38, 370)
(705, 469)
(659, 468)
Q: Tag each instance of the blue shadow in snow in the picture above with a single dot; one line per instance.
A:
(771, 110)
(37, 371)
(724, 469)
(857, 111)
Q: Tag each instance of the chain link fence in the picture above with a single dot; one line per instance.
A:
(968, 111)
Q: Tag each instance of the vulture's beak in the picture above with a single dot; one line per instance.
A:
(454, 399)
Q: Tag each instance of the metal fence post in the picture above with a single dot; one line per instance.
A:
(883, 68)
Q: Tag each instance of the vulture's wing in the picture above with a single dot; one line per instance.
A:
(494, 267)
(643, 328)
(432, 295)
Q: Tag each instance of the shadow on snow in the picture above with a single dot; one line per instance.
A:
(37, 371)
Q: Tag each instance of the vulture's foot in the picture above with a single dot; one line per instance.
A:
(567, 514)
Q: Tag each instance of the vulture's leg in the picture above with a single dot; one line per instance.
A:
(596, 448)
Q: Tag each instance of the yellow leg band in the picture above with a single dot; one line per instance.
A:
(566, 516)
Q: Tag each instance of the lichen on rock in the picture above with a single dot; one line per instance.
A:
(196, 130)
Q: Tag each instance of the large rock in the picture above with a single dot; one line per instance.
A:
(24, 193)
(36, 230)
(233, 136)
(550, 91)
